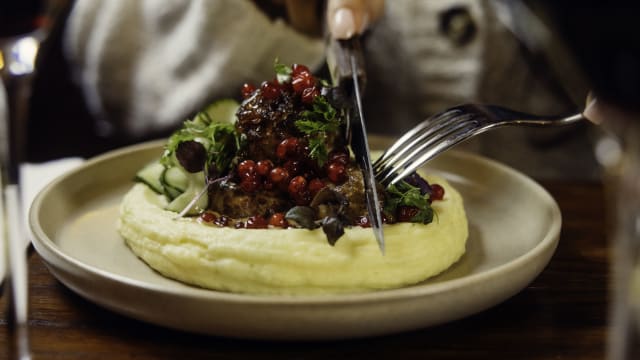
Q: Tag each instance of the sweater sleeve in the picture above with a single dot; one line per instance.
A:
(145, 65)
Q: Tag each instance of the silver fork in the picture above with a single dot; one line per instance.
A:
(447, 129)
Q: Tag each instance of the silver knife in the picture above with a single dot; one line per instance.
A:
(345, 61)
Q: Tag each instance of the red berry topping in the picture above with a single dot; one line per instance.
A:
(247, 90)
(437, 192)
(298, 69)
(208, 217)
(309, 94)
(316, 185)
(221, 221)
(337, 173)
(256, 222)
(246, 169)
(278, 220)
(250, 184)
(297, 185)
(298, 191)
(279, 175)
(270, 90)
(302, 81)
(287, 148)
(263, 167)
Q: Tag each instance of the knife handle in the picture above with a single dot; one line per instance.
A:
(339, 55)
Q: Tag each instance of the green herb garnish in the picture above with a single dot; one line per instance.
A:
(220, 141)
(405, 194)
(319, 123)
(283, 72)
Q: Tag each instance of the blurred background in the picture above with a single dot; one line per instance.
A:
(422, 57)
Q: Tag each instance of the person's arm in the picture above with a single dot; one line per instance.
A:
(144, 66)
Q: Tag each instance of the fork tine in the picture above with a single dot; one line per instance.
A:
(434, 140)
(430, 135)
(402, 153)
(434, 150)
(449, 128)
(414, 135)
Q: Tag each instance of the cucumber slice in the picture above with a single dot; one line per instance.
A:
(151, 174)
(175, 181)
(222, 111)
(194, 188)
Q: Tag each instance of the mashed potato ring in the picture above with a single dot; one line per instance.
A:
(291, 261)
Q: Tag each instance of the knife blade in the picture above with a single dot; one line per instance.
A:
(345, 62)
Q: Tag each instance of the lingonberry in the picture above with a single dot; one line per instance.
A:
(437, 192)
(297, 69)
(337, 172)
(297, 185)
(250, 183)
(302, 81)
(256, 222)
(278, 220)
(208, 217)
(246, 168)
(222, 221)
(270, 90)
(309, 94)
(287, 148)
(247, 90)
(279, 175)
(315, 185)
(263, 167)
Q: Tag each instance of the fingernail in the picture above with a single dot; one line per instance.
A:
(344, 25)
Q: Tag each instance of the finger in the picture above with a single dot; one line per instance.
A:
(592, 110)
(346, 18)
(303, 16)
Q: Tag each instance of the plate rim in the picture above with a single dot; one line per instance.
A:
(548, 243)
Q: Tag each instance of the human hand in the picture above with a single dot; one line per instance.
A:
(610, 116)
(344, 18)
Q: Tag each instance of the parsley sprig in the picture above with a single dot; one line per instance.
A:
(405, 194)
(319, 124)
(283, 72)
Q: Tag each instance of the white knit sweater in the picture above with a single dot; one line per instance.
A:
(145, 65)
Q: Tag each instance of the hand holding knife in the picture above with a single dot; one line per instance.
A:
(346, 65)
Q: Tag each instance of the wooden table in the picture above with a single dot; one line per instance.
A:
(562, 314)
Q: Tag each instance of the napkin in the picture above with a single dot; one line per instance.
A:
(34, 177)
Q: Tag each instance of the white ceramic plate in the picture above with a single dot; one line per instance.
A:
(514, 229)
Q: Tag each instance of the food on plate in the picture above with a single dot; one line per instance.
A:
(264, 197)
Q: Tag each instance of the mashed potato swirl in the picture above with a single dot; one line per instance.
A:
(291, 261)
